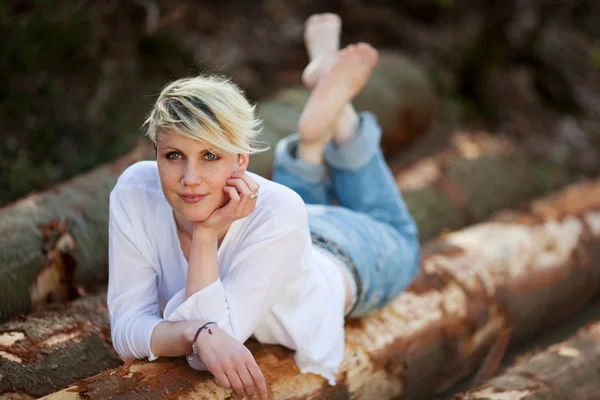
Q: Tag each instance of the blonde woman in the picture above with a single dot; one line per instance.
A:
(204, 254)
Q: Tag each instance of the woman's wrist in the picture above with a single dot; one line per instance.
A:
(204, 240)
(204, 237)
(190, 331)
(204, 233)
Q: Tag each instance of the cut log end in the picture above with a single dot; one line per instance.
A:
(567, 370)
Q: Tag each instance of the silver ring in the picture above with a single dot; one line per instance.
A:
(253, 196)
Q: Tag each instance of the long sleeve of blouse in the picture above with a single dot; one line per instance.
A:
(132, 288)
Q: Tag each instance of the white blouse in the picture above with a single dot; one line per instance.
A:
(274, 284)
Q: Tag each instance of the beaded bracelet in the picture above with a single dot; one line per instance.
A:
(194, 348)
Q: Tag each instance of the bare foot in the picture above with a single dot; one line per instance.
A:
(322, 34)
(322, 40)
(348, 74)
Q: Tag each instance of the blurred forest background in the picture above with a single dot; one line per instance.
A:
(77, 77)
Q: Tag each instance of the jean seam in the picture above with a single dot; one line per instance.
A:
(338, 252)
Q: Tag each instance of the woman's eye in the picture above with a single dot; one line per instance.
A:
(211, 157)
(174, 155)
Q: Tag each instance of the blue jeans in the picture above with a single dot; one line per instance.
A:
(371, 230)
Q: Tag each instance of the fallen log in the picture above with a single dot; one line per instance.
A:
(567, 370)
(49, 350)
(54, 244)
(475, 176)
(511, 276)
(54, 241)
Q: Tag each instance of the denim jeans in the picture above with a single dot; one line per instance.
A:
(371, 230)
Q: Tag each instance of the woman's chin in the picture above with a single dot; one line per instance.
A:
(194, 215)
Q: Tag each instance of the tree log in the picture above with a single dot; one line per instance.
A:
(475, 176)
(54, 244)
(49, 350)
(514, 275)
(567, 370)
(54, 241)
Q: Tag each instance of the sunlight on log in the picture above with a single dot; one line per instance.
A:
(518, 272)
(9, 338)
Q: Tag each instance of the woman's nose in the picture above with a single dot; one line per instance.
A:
(191, 178)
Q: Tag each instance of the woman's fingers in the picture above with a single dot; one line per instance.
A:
(246, 379)
(241, 187)
(259, 379)
(252, 185)
(233, 194)
(235, 380)
(222, 379)
(240, 203)
(246, 205)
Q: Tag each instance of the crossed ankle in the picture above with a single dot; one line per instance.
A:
(311, 152)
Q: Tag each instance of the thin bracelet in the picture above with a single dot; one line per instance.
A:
(194, 348)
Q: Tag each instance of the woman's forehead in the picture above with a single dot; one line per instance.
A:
(171, 139)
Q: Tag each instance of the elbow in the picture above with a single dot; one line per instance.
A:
(129, 341)
(120, 343)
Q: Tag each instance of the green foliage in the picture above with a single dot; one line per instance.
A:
(548, 175)
(456, 108)
(74, 90)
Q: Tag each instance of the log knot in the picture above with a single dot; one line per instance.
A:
(55, 280)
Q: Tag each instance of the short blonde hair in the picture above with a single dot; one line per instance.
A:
(206, 108)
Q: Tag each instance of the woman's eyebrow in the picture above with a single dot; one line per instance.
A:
(173, 148)
(169, 148)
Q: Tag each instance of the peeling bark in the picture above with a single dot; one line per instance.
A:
(567, 370)
(49, 350)
(53, 245)
(519, 272)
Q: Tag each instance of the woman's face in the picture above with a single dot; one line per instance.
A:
(192, 176)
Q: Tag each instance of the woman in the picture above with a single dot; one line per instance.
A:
(204, 254)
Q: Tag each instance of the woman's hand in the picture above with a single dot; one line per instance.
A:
(230, 362)
(240, 188)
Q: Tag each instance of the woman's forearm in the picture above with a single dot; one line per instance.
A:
(203, 268)
(173, 339)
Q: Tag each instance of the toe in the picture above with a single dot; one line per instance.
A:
(313, 19)
(310, 75)
(333, 18)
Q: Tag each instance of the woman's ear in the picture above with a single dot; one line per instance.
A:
(243, 160)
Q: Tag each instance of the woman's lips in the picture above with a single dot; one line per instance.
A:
(192, 198)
